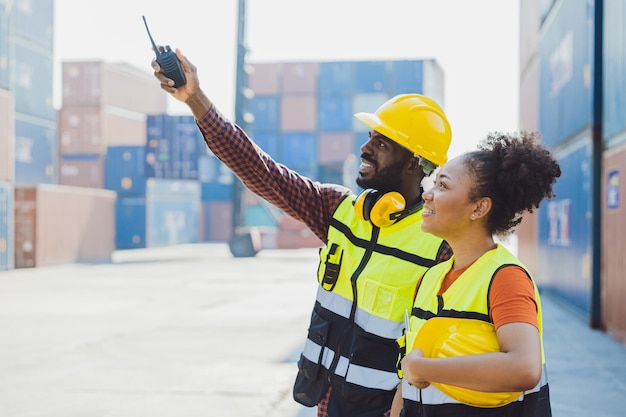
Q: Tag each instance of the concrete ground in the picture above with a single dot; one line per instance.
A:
(191, 331)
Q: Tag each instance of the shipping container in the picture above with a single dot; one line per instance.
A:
(613, 286)
(407, 77)
(173, 146)
(125, 170)
(172, 212)
(336, 78)
(265, 110)
(335, 113)
(298, 113)
(298, 149)
(33, 81)
(566, 71)
(211, 169)
(57, 224)
(96, 83)
(216, 191)
(4, 46)
(264, 78)
(6, 226)
(81, 170)
(33, 21)
(7, 136)
(130, 222)
(35, 151)
(299, 78)
(268, 141)
(371, 76)
(614, 62)
(217, 218)
(565, 257)
(93, 129)
(334, 147)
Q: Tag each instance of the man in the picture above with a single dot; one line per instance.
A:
(374, 249)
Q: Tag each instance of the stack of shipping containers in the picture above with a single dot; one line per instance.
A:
(156, 181)
(303, 116)
(556, 97)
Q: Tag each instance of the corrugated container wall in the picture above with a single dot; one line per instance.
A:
(7, 136)
(96, 83)
(565, 228)
(614, 88)
(41, 239)
(614, 243)
(172, 212)
(173, 147)
(35, 151)
(566, 53)
(6, 226)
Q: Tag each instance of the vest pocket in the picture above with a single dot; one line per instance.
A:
(329, 270)
(312, 382)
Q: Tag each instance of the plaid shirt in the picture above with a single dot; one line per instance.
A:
(306, 200)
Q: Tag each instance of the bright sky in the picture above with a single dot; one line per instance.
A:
(475, 42)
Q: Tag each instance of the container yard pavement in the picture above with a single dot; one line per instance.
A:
(189, 331)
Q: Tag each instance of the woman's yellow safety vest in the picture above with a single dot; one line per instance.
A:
(468, 299)
(367, 277)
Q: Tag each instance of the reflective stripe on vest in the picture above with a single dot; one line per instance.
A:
(467, 297)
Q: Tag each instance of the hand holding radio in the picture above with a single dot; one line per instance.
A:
(168, 61)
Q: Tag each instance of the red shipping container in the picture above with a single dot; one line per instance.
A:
(57, 224)
(300, 78)
(335, 147)
(298, 113)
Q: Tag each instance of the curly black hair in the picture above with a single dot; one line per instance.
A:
(516, 171)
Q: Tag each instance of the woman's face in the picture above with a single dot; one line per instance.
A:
(447, 208)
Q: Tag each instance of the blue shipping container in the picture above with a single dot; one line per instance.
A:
(371, 76)
(33, 82)
(335, 114)
(407, 77)
(35, 152)
(268, 141)
(298, 149)
(566, 72)
(172, 212)
(565, 229)
(6, 226)
(266, 112)
(125, 170)
(336, 78)
(34, 21)
(130, 223)
(173, 146)
(614, 61)
(215, 191)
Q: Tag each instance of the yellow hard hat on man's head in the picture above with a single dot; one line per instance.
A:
(415, 122)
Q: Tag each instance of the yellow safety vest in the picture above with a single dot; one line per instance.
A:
(468, 298)
(367, 278)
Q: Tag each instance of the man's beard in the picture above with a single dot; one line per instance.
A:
(385, 180)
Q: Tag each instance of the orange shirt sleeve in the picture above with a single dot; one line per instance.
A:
(512, 298)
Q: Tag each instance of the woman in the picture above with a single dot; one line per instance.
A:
(476, 196)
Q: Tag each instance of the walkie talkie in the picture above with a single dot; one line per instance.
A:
(167, 59)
